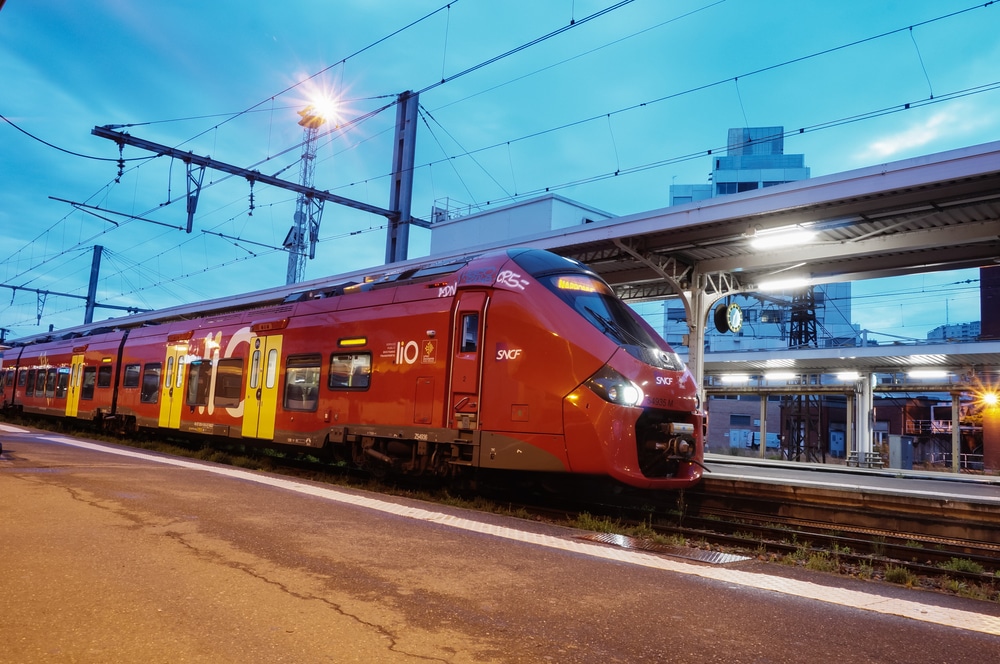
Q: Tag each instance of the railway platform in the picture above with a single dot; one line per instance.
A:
(949, 505)
(117, 554)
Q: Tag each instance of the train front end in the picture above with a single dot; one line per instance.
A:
(637, 416)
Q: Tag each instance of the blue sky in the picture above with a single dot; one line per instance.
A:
(634, 90)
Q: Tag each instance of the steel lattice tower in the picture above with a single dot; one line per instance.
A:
(802, 411)
(308, 209)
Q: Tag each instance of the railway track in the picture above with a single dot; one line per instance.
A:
(803, 532)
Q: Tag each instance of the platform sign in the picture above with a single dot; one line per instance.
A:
(261, 403)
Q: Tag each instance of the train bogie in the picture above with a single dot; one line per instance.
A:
(513, 361)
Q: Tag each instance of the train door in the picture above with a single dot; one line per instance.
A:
(261, 403)
(172, 392)
(75, 380)
(467, 359)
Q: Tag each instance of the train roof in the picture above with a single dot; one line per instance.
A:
(392, 274)
(412, 271)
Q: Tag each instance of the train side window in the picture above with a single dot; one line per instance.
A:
(169, 378)
(104, 375)
(302, 382)
(131, 378)
(30, 388)
(40, 383)
(199, 377)
(150, 392)
(229, 382)
(255, 370)
(21, 378)
(89, 380)
(50, 383)
(271, 374)
(470, 333)
(62, 382)
(180, 371)
(350, 371)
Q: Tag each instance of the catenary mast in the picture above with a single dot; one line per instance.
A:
(308, 208)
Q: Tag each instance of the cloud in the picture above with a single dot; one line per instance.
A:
(915, 137)
(959, 120)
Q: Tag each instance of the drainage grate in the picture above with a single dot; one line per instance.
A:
(626, 542)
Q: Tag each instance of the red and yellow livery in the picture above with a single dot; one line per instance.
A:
(518, 360)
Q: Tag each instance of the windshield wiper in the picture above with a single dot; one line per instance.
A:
(616, 328)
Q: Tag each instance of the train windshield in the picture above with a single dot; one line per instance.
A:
(594, 300)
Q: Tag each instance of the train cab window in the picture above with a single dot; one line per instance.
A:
(150, 392)
(470, 333)
(30, 388)
(350, 371)
(302, 382)
(104, 375)
(50, 383)
(62, 382)
(131, 378)
(198, 380)
(88, 382)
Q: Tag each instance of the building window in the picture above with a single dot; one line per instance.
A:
(746, 186)
(736, 420)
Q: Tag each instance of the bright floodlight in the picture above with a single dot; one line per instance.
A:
(990, 399)
(320, 110)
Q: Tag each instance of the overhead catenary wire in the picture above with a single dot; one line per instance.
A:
(693, 155)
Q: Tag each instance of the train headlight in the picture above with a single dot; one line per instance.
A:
(614, 387)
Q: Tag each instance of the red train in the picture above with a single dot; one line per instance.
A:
(517, 360)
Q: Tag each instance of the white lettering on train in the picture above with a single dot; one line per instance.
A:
(406, 352)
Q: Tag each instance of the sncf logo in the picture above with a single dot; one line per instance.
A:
(505, 353)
